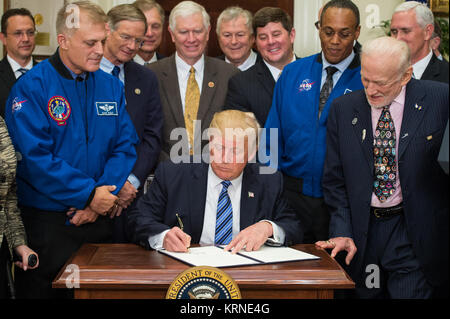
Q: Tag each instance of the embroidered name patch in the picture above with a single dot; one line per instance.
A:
(107, 108)
(59, 109)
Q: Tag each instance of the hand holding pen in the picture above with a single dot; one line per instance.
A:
(176, 239)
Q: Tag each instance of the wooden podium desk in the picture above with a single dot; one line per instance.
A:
(117, 271)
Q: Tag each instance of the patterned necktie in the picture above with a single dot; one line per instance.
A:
(326, 88)
(22, 71)
(384, 156)
(116, 71)
(224, 218)
(191, 106)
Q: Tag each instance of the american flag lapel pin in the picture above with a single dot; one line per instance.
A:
(251, 194)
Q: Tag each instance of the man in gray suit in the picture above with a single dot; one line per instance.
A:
(192, 86)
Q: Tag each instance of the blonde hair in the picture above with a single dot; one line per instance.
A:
(93, 11)
(234, 123)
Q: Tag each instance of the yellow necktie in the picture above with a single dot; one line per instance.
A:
(191, 106)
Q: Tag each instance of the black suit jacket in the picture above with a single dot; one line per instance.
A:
(144, 108)
(349, 174)
(252, 91)
(7, 79)
(436, 70)
(181, 188)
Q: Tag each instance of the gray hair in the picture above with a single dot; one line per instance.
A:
(391, 48)
(424, 16)
(125, 12)
(233, 13)
(186, 9)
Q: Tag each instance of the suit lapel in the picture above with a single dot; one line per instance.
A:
(265, 77)
(208, 88)
(413, 113)
(197, 190)
(249, 197)
(362, 128)
(6, 73)
(171, 87)
(132, 83)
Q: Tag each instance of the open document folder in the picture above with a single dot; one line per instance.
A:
(216, 256)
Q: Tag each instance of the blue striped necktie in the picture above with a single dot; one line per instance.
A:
(224, 219)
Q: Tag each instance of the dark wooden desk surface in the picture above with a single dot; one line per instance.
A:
(129, 271)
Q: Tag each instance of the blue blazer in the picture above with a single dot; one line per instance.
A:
(181, 188)
(144, 108)
(348, 174)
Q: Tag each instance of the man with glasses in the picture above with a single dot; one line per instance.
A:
(76, 147)
(18, 36)
(127, 26)
(299, 112)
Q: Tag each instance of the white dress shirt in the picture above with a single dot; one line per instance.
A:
(251, 60)
(276, 72)
(214, 187)
(138, 59)
(183, 75)
(341, 66)
(420, 66)
(16, 66)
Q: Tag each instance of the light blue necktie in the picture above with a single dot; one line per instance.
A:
(224, 219)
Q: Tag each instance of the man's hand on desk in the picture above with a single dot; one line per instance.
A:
(253, 237)
(338, 244)
(177, 241)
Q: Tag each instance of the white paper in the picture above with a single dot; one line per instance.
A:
(278, 254)
(217, 257)
(210, 256)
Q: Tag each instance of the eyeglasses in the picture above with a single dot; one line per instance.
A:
(317, 25)
(129, 39)
(20, 34)
(329, 33)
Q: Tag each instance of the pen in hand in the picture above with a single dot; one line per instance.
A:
(180, 224)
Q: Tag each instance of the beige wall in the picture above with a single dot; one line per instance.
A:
(306, 13)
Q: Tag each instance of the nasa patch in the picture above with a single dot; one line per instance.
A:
(106, 108)
(306, 85)
(59, 109)
(17, 104)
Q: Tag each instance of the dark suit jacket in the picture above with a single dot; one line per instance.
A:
(7, 79)
(349, 174)
(181, 188)
(252, 91)
(436, 70)
(212, 99)
(144, 108)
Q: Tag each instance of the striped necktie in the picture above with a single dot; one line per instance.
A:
(224, 219)
(192, 101)
(23, 71)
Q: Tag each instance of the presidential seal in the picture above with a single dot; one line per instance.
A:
(203, 283)
(59, 109)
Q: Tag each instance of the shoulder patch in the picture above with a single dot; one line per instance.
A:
(59, 109)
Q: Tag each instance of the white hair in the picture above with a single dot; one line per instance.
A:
(186, 9)
(233, 13)
(388, 47)
(424, 16)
